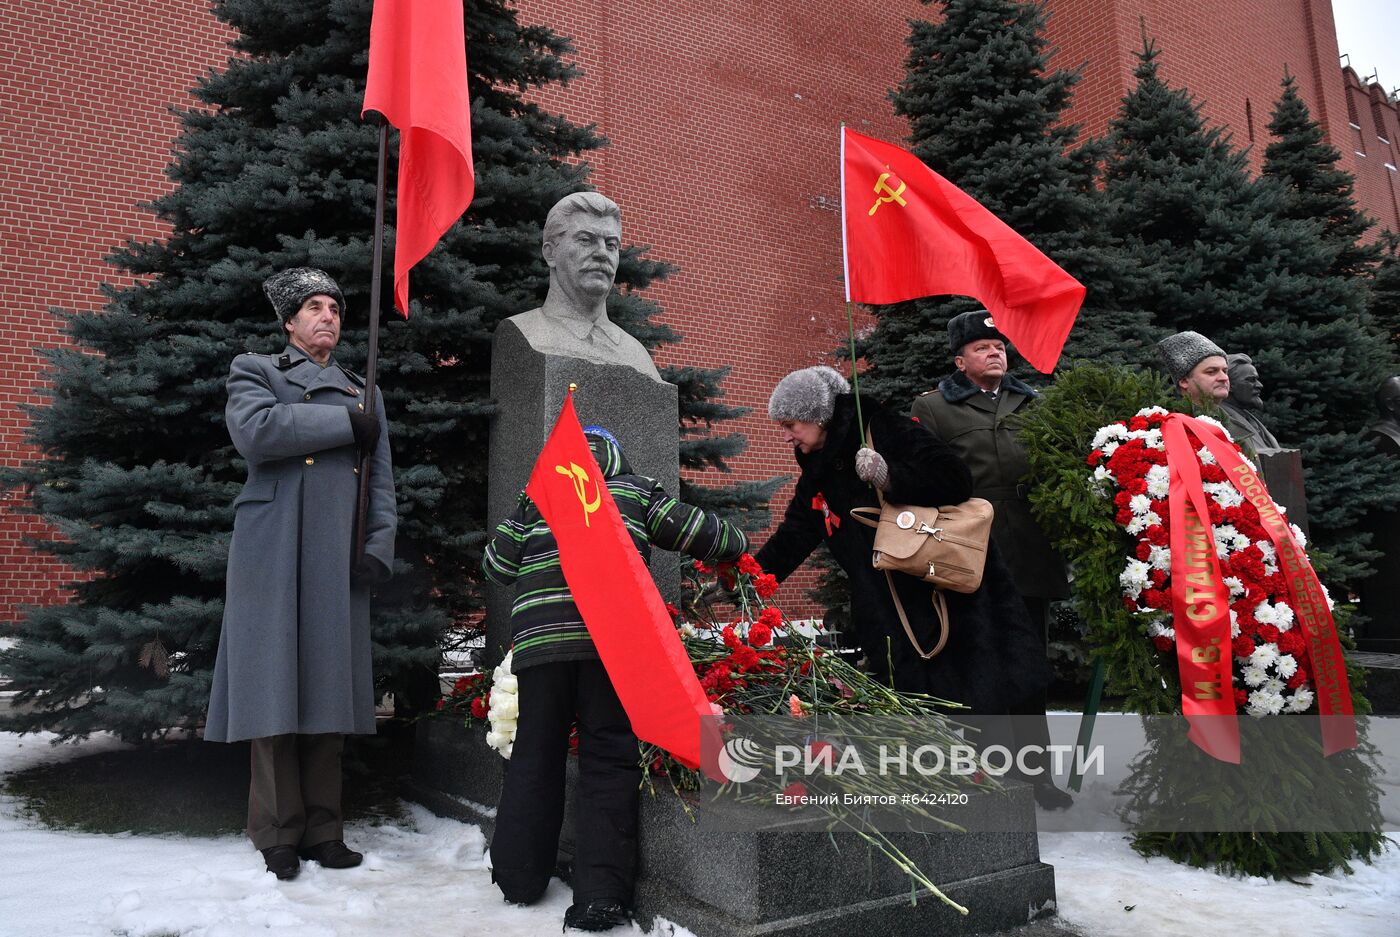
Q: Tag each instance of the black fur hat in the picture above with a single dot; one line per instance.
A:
(970, 327)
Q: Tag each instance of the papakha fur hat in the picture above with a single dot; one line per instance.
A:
(290, 288)
(971, 327)
(808, 395)
(1183, 351)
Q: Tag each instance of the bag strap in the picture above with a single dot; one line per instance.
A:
(940, 604)
(940, 611)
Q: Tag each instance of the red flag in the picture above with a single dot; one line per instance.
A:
(418, 81)
(617, 598)
(908, 232)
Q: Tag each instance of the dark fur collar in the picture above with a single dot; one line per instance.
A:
(956, 388)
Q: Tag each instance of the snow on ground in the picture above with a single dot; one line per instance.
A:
(424, 875)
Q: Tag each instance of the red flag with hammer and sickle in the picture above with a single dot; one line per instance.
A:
(908, 232)
(614, 592)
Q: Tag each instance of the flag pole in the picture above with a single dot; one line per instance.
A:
(372, 362)
(846, 278)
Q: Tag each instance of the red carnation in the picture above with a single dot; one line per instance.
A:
(821, 753)
(1299, 679)
(1158, 577)
(1094, 457)
(796, 791)
(701, 568)
(1162, 643)
(1156, 598)
(480, 707)
(672, 611)
(771, 617)
(749, 566)
(1269, 633)
(1241, 698)
(1242, 646)
(731, 639)
(765, 585)
(1144, 550)
(760, 634)
(1137, 424)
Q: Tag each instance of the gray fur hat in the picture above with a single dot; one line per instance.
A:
(292, 287)
(971, 327)
(1184, 350)
(808, 395)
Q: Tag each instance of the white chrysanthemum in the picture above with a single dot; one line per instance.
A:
(1141, 522)
(687, 630)
(1160, 558)
(1287, 666)
(1264, 703)
(1264, 614)
(1139, 504)
(1107, 433)
(1328, 596)
(1265, 655)
(1236, 586)
(1216, 423)
(1234, 625)
(1134, 578)
(1274, 685)
(1205, 456)
(1253, 676)
(505, 707)
(1154, 411)
(1159, 481)
(1302, 699)
(1227, 534)
(1283, 617)
(1152, 439)
(1225, 494)
(1156, 629)
(1298, 535)
(1101, 481)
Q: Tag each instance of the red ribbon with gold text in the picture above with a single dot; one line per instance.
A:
(1305, 595)
(1200, 602)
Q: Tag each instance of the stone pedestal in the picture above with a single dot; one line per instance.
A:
(770, 880)
(1283, 474)
(529, 387)
(1380, 594)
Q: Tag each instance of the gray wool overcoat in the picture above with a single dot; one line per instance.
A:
(294, 654)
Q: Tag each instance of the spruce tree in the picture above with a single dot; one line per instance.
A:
(1217, 251)
(986, 112)
(1306, 165)
(1383, 302)
(275, 169)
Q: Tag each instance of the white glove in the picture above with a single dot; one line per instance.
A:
(872, 468)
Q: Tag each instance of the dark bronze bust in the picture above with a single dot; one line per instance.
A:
(1385, 432)
(1242, 404)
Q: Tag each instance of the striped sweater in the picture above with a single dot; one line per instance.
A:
(545, 624)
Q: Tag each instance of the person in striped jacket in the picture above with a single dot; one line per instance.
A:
(561, 679)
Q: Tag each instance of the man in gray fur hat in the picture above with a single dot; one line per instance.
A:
(1197, 367)
(977, 410)
(293, 671)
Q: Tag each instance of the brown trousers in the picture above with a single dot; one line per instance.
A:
(294, 797)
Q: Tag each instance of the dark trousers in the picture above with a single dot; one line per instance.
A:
(1031, 726)
(531, 812)
(294, 797)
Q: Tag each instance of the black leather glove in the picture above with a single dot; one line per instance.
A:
(366, 430)
(369, 571)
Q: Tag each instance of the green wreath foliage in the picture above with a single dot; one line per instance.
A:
(1058, 436)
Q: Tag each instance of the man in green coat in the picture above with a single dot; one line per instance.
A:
(975, 410)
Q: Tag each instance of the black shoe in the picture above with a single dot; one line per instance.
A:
(1051, 797)
(332, 854)
(598, 914)
(282, 862)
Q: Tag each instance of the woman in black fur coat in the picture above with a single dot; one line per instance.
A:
(994, 654)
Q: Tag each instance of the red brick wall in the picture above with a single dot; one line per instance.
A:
(1371, 149)
(723, 118)
(86, 136)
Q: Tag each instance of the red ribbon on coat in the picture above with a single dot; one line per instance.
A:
(832, 520)
(1201, 606)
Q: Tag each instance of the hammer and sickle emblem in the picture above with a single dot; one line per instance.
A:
(887, 194)
(579, 477)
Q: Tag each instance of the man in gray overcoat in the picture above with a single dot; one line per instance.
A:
(293, 672)
(976, 411)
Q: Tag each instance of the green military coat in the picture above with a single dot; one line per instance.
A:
(983, 432)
